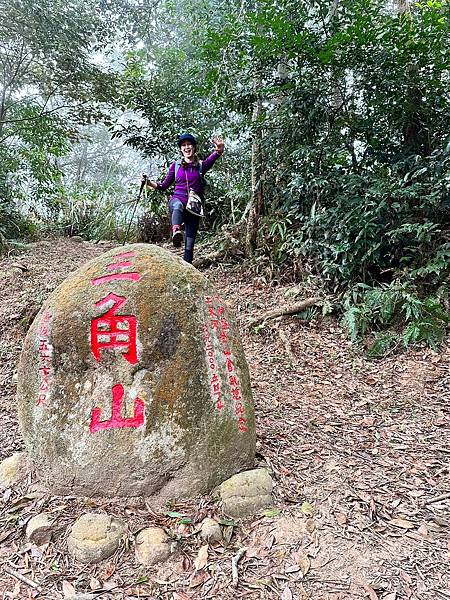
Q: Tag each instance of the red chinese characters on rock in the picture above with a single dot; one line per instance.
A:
(45, 358)
(235, 388)
(220, 326)
(117, 421)
(116, 331)
(214, 381)
(117, 266)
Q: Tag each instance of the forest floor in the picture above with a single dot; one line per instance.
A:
(359, 451)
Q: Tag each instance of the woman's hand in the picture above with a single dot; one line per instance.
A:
(219, 144)
(149, 183)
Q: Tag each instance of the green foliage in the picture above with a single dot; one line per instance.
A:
(398, 306)
(356, 149)
(92, 211)
(352, 129)
(354, 138)
(49, 85)
(13, 226)
(153, 225)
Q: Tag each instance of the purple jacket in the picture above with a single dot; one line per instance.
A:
(189, 173)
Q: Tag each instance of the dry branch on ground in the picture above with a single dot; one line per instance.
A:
(283, 311)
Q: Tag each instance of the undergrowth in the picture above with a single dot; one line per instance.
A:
(397, 314)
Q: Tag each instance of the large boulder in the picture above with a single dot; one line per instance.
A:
(133, 381)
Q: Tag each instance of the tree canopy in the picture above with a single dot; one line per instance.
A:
(335, 116)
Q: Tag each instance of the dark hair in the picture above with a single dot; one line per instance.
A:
(195, 161)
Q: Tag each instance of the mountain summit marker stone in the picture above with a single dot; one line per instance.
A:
(133, 381)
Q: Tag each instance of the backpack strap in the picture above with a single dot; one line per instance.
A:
(200, 167)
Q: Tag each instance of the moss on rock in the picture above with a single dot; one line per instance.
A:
(197, 425)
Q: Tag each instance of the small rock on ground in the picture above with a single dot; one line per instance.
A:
(39, 529)
(152, 546)
(246, 493)
(13, 469)
(211, 531)
(95, 537)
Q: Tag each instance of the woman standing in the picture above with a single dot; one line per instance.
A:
(187, 175)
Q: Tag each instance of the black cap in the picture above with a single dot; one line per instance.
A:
(186, 137)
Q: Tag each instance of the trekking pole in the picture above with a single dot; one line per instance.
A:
(143, 182)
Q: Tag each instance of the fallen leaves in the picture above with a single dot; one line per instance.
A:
(286, 594)
(302, 560)
(423, 530)
(95, 584)
(318, 427)
(5, 534)
(402, 523)
(198, 578)
(341, 518)
(371, 593)
(181, 596)
(202, 558)
(68, 589)
(108, 571)
(271, 512)
(367, 421)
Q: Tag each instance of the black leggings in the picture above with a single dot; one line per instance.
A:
(179, 215)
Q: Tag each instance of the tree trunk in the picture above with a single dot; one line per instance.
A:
(416, 136)
(401, 6)
(256, 202)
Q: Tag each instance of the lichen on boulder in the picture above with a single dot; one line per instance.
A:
(94, 537)
(152, 546)
(13, 469)
(133, 381)
(246, 493)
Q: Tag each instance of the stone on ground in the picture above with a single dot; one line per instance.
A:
(13, 469)
(133, 381)
(152, 546)
(94, 537)
(246, 493)
(39, 529)
(211, 531)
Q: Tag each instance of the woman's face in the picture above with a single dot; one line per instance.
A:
(187, 149)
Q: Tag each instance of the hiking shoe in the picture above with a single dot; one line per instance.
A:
(177, 238)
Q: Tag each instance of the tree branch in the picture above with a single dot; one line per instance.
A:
(286, 310)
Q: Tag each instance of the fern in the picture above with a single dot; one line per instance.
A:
(382, 344)
(411, 318)
(438, 267)
(351, 320)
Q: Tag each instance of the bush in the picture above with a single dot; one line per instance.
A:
(153, 228)
(398, 307)
(14, 226)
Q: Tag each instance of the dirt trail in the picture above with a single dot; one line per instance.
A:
(359, 452)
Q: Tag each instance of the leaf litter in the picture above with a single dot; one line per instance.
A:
(359, 452)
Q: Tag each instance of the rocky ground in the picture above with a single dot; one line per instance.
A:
(359, 451)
